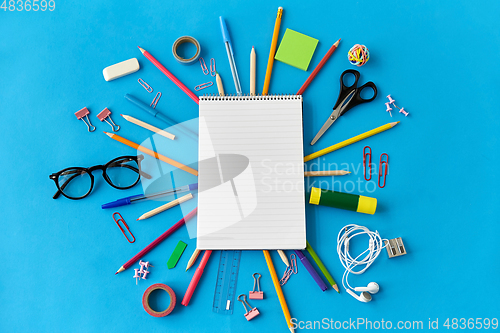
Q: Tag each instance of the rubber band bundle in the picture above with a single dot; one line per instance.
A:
(358, 55)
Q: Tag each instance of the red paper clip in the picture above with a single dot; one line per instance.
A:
(381, 168)
(369, 154)
(125, 225)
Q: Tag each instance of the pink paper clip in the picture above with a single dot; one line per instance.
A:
(203, 85)
(204, 66)
(106, 114)
(390, 99)
(145, 85)
(249, 315)
(369, 168)
(213, 72)
(120, 219)
(382, 171)
(155, 100)
(85, 113)
(292, 269)
(256, 294)
(388, 108)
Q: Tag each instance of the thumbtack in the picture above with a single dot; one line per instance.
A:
(402, 110)
(390, 99)
(142, 270)
(136, 275)
(146, 264)
(144, 274)
(388, 108)
(85, 113)
(106, 114)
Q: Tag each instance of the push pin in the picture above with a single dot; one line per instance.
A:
(136, 275)
(388, 108)
(402, 110)
(390, 99)
(144, 274)
(85, 113)
(249, 315)
(106, 114)
(146, 264)
(256, 294)
(142, 270)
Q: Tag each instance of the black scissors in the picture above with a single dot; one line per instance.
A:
(349, 97)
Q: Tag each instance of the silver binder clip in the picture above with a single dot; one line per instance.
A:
(395, 247)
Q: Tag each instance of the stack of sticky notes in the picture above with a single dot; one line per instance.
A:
(296, 49)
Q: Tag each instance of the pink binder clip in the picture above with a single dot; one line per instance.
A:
(390, 99)
(106, 114)
(256, 294)
(249, 315)
(85, 113)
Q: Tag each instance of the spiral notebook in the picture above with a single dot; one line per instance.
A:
(251, 173)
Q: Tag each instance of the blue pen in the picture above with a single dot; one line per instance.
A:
(155, 113)
(141, 197)
(230, 55)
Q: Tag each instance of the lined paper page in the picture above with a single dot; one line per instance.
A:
(251, 174)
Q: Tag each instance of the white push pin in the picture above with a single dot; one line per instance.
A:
(390, 99)
(388, 108)
(402, 110)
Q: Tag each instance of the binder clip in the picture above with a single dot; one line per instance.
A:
(369, 169)
(395, 247)
(120, 219)
(213, 72)
(85, 113)
(249, 315)
(256, 294)
(204, 66)
(106, 114)
(382, 171)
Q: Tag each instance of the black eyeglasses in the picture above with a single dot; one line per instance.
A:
(77, 183)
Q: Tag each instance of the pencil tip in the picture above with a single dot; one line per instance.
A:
(337, 42)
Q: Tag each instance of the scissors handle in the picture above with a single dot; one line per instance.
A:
(356, 98)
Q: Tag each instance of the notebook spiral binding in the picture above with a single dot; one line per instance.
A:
(248, 97)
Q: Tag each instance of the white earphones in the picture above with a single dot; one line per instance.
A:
(363, 297)
(372, 288)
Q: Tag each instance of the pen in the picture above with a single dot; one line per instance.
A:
(230, 54)
(310, 269)
(144, 197)
(196, 278)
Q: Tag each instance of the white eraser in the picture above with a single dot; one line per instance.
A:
(121, 69)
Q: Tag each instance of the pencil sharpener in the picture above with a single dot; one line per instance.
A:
(256, 295)
(252, 314)
(395, 247)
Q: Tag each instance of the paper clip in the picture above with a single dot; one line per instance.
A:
(381, 168)
(203, 85)
(85, 113)
(256, 294)
(213, 72)
(126, 226)
(249, 315)
(204, 66)
(145, 85)
(369, 154)
(106, 114)
(155, 100)
(292, 269)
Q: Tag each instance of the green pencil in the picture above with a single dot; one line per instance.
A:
(321, 266)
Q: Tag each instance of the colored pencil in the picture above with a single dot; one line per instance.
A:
(152, 153)
(253, 65)
(277, 286)
(310, 269)
(322, 267)
(170, 75)
(326, 173)
(196, 278)
(350, 141)
(148, 126)
(166, 206)
(318, 68)
(220, 87)
(272, 51)
(193, 258)
(283, 257)
(157, 241)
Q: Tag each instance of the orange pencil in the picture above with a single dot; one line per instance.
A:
(152, 153)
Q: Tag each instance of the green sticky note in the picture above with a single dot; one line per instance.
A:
(296, 49)
(176, 255)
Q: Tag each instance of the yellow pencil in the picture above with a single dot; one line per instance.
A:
(270, 61)
(326, 173)
(277, 286)
(165, 207)
(283, 257)
(148, 126)
(253, 61)
(152, 153)
(193, 259)
(350, 141)
(220, 87)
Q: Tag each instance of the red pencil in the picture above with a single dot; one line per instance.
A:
(170, 75)
(157, 241)
(318, 68)
(196, 278)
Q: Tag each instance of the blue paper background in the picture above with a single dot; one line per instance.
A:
(438, 59)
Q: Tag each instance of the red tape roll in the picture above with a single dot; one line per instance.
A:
(145, 300)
